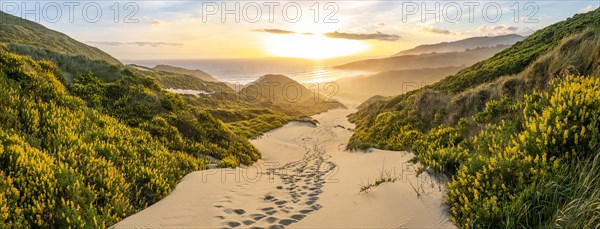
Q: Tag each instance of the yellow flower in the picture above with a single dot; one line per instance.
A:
(493, 161)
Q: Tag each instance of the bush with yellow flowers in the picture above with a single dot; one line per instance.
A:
(516, 133)
(559, 126)
(439, 150)
(500, 158)
(65, 165)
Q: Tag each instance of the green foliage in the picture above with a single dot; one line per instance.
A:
(515, 132)
(140, 102)
(228, 162)
(515, 59)
(438, 149)
(567, 198)
(256, 126)
(27, 33)
(86, 141)
(65, 165)
(385, 176)
(180, 78)
(550, 53)
(71, 64)
(559, 127)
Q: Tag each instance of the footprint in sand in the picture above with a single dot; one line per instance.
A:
(286, 222)
(271, 219)
(257, 216)
(303, 188)
(233, 224)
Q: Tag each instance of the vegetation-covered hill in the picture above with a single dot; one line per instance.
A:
(427, 60)
(288, 96)
(517, 133)
(392, 82)
(63, 164)
(71, 56)
(172, 80)
(196, 73)
(17, 31)
(86, 141)
(463, 94)
(464, 44)
(245, 118)
(250, 112)
(136, 97)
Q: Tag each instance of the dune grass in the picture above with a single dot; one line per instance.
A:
(385, 176)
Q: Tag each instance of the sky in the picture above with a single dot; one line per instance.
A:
(136, 30)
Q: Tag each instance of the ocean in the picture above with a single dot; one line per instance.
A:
(247, 70)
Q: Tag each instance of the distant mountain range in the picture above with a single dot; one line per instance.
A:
(428, 60)
(392, 82)
(424, 64)
(462, 45)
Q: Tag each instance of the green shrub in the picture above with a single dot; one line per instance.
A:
(559, 127)
(64, 165)
(228, 162)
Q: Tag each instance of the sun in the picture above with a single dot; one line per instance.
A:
(311, 46)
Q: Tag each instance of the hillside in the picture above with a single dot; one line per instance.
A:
(63, 164)
(196, 73)
(135, 95)
(517, 133)
(174, 80)
(450, 96)
(428, 60)
(16, 31)
(392, 82)
(464, 44)
(108, 136)
(72, 57)
(288, 96)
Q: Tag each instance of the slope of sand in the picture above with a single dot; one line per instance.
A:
(305, 180)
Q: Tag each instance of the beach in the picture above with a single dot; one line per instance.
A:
(306, 179)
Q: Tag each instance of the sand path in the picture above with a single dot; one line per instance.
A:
(306, 180)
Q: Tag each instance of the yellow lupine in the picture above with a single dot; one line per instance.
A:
(555, 165)
(493, 162)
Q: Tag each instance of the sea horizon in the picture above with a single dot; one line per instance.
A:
(246, 70)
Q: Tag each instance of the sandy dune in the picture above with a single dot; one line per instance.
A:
(305, 180)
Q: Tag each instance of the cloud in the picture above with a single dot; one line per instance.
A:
(359, 36)
(587, 9)
(157, 23)
(154, 44)
(110, 43)
(274, 31)
(436, 30)
(137, 43)
(496, 30)
(350, 36)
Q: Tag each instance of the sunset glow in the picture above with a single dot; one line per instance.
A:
(311, 46)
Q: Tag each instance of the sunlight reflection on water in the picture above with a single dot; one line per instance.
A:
(247, 70)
